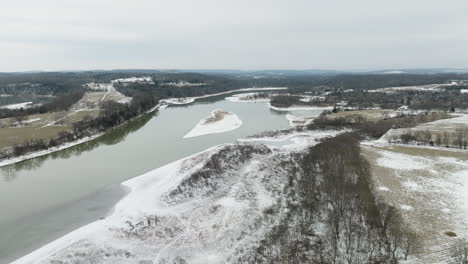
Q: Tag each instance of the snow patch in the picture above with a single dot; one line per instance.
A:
(400, 161)
(299, 108)
(17, 106)
(246, 98)
(383, 188)
(405, 207)
(218, 122)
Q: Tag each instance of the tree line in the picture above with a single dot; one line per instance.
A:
(332, 214)
(112, 114)
(457, 139)
(374, 129)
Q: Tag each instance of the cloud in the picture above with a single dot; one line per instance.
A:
(338, 34)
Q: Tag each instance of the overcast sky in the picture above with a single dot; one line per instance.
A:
(232, 34)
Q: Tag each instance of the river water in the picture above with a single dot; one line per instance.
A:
(44, 198)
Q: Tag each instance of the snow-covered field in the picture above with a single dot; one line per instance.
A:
(459, 121)
(211, 207)
(424, 88)
(430, 187)
(17, 106)
(219, 121)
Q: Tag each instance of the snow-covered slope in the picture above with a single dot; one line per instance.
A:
(211, 207)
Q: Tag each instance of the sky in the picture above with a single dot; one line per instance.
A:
(232, 34)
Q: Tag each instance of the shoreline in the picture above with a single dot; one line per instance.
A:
(131, 187)
(299, 108)
(142, 191)
(35, 154)
(189, 100)
(161, 105)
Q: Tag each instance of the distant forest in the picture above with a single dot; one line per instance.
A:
(57, 91)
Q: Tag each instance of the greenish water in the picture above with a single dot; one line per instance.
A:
(44, 198)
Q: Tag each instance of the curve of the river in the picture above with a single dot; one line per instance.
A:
(44, 198)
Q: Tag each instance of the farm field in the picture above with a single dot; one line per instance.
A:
(430, 187)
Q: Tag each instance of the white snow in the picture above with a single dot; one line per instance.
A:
(183, 84)
(246, 98)
(188, 100)
(218, 122)
(300, 108)
(399, 161)
(298, 120)
(204, 229)
(383, 188)
(405, 207)
(145, 79)
(144, 197)
(47, 151)
(412, 186)
(295, 140)
(424, 88)
(179, 101)
(28, 121)
(17, 106)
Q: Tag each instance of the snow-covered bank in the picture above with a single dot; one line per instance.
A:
(189, 100)
(47, 151)
(36, 154)
(430, 186)
(247, 98)
(299, 120)
(206, 208)
(218, 122)
(17, 106)
(299, 108)
(293, 140)
(158, 181)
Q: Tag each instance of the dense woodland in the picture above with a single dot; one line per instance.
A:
(333, 216)
(443, 100)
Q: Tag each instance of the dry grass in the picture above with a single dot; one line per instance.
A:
(38, 128)
(371, 115)
(428, 196)
(217, 116)
(78, 116)
(12, 136)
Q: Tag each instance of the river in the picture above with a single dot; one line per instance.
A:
(44, 198)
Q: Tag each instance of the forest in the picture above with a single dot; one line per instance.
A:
(333, 215)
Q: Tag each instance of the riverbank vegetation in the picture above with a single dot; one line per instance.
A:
(332, 214)
(374, 129)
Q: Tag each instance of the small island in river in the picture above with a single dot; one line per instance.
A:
(218, 122)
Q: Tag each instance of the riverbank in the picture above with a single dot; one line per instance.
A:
(300, 108)
(189, 100)
(158, 221)
(70, 144)
(78, 172)
(161, 105)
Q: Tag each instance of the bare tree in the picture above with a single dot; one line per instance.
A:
(20, 119)
(459, 252)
